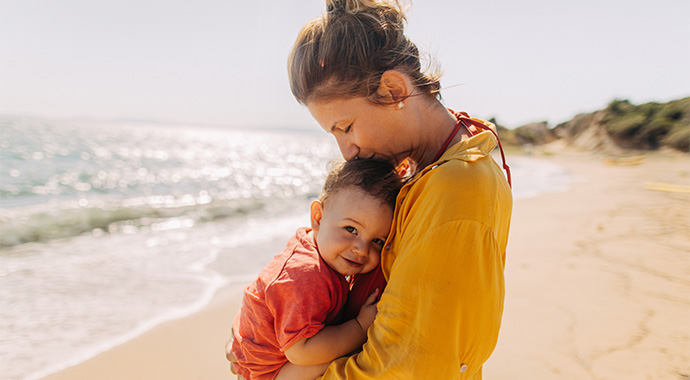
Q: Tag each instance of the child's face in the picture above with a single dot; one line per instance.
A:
(350, 230)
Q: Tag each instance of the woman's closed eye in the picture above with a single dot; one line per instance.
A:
(348, 129)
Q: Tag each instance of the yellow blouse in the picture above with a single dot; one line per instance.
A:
(444, 259)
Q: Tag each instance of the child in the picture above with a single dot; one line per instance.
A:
(286, 327)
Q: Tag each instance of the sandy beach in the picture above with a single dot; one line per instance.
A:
(598, 287)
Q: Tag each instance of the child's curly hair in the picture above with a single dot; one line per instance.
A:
(376, 178)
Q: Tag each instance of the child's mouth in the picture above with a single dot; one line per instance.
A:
(353, 264)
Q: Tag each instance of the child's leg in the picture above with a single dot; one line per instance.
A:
(301, 372)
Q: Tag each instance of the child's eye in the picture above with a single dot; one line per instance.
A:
(378, 242)
(351, 230)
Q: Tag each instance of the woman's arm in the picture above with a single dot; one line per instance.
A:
(333, 342)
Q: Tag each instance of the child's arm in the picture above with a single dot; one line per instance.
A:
(333, 342)
(291, 371)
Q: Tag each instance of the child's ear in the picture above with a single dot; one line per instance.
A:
(316, 215)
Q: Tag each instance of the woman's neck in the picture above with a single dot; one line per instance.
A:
(437, 125)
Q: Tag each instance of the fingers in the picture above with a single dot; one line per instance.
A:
(231, 358)
(228, 352)
(372, 297)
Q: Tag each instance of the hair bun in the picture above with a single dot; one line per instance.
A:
(356, 6)
(333, 6)
(344, 53)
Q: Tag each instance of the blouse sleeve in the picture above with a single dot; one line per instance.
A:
(440, 314)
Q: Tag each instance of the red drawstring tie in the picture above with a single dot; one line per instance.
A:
(465, 118)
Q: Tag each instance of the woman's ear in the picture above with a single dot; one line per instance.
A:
(316, 215)
(393, 86)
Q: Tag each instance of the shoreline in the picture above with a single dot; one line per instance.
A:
(592, 300)
(185, 348)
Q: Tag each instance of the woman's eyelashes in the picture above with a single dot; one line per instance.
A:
(347, 130)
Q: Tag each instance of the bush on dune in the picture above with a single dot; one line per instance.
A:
(650, 125)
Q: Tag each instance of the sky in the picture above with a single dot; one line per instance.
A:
(224, 61)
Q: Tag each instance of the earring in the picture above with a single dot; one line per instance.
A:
(401, 105)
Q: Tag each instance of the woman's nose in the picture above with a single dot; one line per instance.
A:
(347, 149)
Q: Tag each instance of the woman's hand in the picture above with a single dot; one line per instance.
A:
(368, 312)
(228, 354)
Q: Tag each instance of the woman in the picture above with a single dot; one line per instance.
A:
(440, 314)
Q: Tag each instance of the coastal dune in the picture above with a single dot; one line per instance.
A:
(597, 287)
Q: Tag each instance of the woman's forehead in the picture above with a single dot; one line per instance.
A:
(331, 113)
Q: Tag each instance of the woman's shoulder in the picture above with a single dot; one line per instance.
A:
(458, 190)
(455, 177)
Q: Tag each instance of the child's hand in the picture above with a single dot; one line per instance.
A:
(367, 313)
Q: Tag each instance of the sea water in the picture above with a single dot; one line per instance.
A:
(108, 229)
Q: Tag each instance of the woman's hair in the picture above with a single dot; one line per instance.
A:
(343, 53)
(376, 178)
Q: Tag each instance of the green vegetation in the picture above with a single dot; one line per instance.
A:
(646, 126)
(649, 125)
(506, 135)
(526, 136)
(530, 134)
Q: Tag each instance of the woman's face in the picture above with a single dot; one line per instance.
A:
(365, 130)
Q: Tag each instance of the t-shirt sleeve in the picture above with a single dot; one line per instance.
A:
(300, 305)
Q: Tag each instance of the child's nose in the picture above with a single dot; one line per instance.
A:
(360, 249)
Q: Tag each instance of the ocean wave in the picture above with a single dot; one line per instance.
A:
(55, 221)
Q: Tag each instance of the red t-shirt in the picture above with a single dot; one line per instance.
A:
(294, 297)
(361, 287)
